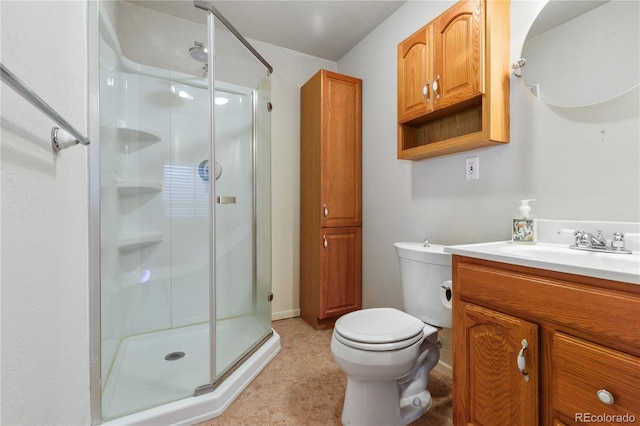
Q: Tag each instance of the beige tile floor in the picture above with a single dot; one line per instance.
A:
(304, 386)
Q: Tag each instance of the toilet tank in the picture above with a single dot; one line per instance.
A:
(423, 273)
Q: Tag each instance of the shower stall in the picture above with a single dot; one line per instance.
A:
(180, 208)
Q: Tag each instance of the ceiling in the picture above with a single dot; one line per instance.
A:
(325, 29)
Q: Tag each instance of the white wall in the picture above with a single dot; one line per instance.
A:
(557, 156)
(291, 71)
(45, 341)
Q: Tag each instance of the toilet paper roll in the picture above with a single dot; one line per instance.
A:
(446, 294)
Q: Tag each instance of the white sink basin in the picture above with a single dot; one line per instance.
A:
(556, 257)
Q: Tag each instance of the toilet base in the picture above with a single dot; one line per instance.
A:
(413, 407)
(378, 403)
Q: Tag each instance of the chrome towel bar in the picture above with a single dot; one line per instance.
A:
(59, 140)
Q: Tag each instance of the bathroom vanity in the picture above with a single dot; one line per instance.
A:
(544, 342)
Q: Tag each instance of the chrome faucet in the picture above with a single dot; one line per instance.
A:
(590, 242)
(587, 240)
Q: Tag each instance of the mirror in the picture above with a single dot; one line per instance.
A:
(580, 53)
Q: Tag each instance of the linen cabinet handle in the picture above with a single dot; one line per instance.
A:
(325, 243)
(522, 362)
(325, 210)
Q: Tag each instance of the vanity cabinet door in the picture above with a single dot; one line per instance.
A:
(492, 389)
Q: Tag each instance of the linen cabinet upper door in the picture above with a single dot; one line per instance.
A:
(459, 54)
(341, 165)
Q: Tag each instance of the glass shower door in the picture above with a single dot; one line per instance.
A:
(155, 223)
(242, 203)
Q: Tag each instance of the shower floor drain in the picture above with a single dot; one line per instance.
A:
(174, 356)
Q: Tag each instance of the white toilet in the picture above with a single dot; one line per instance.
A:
(387, 354)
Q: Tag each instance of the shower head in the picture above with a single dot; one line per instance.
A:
(199, 52)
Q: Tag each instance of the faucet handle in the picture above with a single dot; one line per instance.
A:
(617, 243)
(426, 242)
(579, 238)
(599, 240)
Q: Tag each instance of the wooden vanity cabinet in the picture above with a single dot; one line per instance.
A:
(453, 81)
(583, 337)
(330, 197)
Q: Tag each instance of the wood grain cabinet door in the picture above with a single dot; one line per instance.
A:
(341, 271)
(415, 64)
(459, 53)
(496, 391)
(341, 163)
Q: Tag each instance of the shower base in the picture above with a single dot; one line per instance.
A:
(141, 377)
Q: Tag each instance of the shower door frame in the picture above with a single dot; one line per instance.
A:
(95, 252)
(94, 231)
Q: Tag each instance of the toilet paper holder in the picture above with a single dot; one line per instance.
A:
(446, 294)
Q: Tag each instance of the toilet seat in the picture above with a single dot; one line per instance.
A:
(379, 329)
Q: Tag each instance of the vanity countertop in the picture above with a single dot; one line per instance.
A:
(557, 257)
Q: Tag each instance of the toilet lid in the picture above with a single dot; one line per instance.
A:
(379, 325)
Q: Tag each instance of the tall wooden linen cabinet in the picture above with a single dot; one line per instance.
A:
(330, 197)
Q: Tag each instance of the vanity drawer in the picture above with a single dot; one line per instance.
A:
(553, 300)
(581, 369)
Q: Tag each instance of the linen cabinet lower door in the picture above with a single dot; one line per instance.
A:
(341, 263)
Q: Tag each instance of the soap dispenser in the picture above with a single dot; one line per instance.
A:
(524, 226)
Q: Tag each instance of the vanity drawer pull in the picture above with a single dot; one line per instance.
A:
(605, 396)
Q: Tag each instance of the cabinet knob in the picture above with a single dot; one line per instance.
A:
(605, 396)
(325, 243)
(325, 209)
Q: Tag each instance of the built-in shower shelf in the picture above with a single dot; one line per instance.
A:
(127, 133)
(131, 187)
(132, 242)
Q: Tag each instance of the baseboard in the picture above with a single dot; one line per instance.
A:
(291, 313)
(444, 368)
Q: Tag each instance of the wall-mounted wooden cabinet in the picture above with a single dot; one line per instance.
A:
(582, 351)
(453, 81)
(330, 197)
